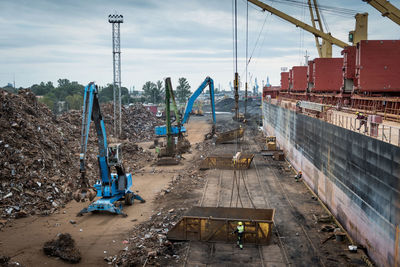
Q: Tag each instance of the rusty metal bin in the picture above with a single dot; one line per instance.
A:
(225, 161)
(229, 136)
(209, 224)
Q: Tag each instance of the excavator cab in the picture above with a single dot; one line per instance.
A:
(114, 155)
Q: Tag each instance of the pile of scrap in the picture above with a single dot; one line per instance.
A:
(38, 164)
(64, 248)
(137, 122)
(6, 261)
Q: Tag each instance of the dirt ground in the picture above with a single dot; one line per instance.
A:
(97, 235)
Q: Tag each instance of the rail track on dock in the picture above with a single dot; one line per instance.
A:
(295, 239)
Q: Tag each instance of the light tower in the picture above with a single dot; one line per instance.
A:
(116, 20)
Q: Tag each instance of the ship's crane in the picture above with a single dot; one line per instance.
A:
(386, 8)
(325, 50)
(111, 187)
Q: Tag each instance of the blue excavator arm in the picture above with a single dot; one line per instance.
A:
(161, 130)
(189, 105)
(91, 111)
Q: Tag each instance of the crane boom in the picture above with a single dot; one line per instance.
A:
(326, 36)
(208, 81)
(386, 8)
(91, 111)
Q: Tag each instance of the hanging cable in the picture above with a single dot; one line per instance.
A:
(247, 45)
(236, 36)
(233, 35)
(322, 16)
(344, 12)
(301, 36)
(258, 38)
(236, 85)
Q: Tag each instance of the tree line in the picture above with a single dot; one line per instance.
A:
(71, 93)
(155, 92)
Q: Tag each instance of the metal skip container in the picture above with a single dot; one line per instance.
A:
(210, 224)
(227, 161)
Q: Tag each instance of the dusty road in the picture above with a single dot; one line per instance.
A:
(96, 235)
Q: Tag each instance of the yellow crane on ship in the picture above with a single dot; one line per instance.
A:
(325, 49)
(386, 8)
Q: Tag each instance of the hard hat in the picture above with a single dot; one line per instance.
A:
(300, 172)
(240, 223)
(357, 113)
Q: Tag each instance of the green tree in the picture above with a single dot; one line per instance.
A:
(183, 90)
(10, 88)
(49, 100)
(42, 88)
(154, 93)
(66, 88)
(106, 94)
(74, 101)
(125, 99)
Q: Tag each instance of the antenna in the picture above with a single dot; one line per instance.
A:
(306, 57)
(116, 20)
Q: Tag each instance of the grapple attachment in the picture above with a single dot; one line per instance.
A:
(84, 193)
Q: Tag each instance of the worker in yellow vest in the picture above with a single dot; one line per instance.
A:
(239, 231)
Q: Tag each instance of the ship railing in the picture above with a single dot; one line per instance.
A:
(384, 132)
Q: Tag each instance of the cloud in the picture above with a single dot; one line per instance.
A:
(46, 40)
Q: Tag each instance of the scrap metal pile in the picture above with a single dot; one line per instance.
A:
(39, 153)
(37, 157)
(137, 122)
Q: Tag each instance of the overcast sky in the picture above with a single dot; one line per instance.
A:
(44, 40)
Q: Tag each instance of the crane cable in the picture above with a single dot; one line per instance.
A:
(247, 48)
(233, 35)
(322, 16)
(249, 60)
(344, 12)
(301, 35)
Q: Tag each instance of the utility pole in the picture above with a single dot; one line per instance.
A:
(116, 21)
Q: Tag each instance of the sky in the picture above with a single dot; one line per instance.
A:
(45, 40)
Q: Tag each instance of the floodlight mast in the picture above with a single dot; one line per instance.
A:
(116, 20)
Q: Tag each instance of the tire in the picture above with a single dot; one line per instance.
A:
(129, 199)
